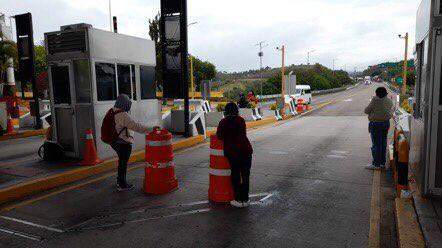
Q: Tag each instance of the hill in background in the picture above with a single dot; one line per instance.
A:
(317, 76)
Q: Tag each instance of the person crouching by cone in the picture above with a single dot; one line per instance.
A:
(238, 150)
(116, 131)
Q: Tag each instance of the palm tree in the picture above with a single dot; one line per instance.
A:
(8, 49)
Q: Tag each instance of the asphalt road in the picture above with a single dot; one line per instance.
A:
(308, 182)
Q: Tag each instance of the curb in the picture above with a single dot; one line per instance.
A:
(408, 228)
(24, 134)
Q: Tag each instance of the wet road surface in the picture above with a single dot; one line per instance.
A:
(308, 184)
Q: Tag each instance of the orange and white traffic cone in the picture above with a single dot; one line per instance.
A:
(90, 157)
(10, 126)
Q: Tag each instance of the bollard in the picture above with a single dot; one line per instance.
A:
(402, 162)
(90, 156)
(220, 186)
(159, 173)
(300, 106)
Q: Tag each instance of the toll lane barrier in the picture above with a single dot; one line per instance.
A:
(220, 187)
(160, 170)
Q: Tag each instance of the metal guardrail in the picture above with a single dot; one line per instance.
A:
(314, 93)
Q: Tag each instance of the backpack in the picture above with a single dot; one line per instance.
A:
(109, 133)
(51, 151)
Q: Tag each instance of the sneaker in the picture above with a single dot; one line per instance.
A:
(236, 204)
(245, 203)
(372, 167)
(126, 187)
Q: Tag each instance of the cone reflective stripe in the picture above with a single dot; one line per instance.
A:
(160, 143)
(159, 173)
(90, 156)
(220, 172)
(216, 152)
(159, 147)
(220, 186)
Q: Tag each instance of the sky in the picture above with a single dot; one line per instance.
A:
(354, 33)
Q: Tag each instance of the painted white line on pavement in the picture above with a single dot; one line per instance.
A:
(335, 156)
(32, 224)
(21, 234)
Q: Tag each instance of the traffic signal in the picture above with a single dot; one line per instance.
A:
(25, 47)
(173, 34)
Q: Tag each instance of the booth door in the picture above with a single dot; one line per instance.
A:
(64, 112)
(436, 121)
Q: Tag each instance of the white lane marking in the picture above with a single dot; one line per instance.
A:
(190, 212)
(340, 152)
(197, 211)
(278, 153)
(335, 156)
(21, 234)
(32, 224)
(348, 100)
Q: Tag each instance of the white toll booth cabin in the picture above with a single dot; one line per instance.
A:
(88, 69)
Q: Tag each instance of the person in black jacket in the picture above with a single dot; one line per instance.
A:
(238, 150)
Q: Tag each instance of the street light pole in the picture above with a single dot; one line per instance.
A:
(192, 78)
(282, 49)
(334, 66)
(404, 82)
(261, 45)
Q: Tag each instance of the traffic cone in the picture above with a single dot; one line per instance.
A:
(10, 126)
(90, 157)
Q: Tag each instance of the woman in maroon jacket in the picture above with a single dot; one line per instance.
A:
(238, 150)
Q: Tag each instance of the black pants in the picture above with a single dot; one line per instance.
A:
(240, 168)
(123, 151)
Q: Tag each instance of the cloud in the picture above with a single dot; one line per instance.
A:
(356, 32)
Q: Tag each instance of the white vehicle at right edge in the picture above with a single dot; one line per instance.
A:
(303, 92)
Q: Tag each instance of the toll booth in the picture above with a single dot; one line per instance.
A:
(426, 124)
(88, 68)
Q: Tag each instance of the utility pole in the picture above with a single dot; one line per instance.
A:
(282, 49)
(192, 78)
(308, 56)
(261, 45)
(110, 16)
(334, 66)
(192, 82)
(404, 82)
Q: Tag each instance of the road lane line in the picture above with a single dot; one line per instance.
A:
(32, 224)
(21, 234)
(185, 213)
(374, 238)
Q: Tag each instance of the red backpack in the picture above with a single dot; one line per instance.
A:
(109, 133)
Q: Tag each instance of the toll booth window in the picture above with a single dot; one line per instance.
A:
(124, 80)
(82, 81)
(147, 82)
(308, 91)
(134, 84)
(106, 82)
(60, 84)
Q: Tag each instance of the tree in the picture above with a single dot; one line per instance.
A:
(202, 70)
(8, 49)
(154, 33)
